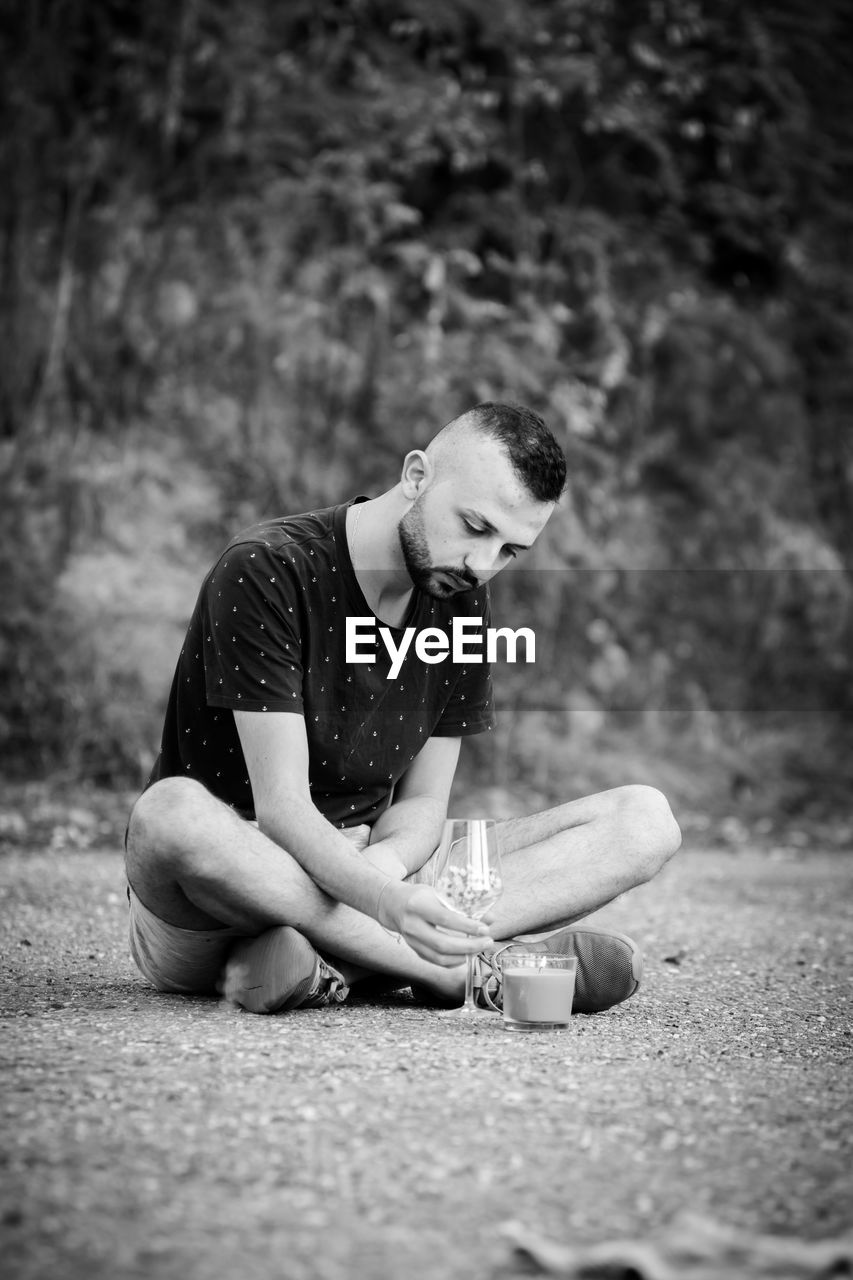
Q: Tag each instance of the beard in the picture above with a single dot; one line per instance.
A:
(426, 576)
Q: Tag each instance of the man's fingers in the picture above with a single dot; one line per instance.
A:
(429, 906)
(440, 935)
(440, 947)
(451, 941)
(445, 941)
(439, 958)
(458, 923)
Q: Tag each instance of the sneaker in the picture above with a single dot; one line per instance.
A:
(610, 966)
(280, 970)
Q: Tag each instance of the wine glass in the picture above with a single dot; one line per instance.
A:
(467, 877)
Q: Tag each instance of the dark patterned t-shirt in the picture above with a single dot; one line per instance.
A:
(268, 634)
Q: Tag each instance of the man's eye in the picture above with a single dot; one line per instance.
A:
(511, 552)
(472, 528)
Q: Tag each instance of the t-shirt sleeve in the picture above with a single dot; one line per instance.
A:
(471, 707)
(252, 625)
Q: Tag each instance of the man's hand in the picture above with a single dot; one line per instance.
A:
(417, 913)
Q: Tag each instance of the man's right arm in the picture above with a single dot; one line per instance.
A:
(275, 747)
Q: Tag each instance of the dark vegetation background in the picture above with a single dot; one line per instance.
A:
(252, 253)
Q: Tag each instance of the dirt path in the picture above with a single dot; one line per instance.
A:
(155, 1136)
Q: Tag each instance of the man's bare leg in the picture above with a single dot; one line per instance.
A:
(198, 865)
(564, 863)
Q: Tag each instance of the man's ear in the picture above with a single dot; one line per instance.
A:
(416, 475)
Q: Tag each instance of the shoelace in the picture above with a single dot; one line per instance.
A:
(337, 990)
(485, 979)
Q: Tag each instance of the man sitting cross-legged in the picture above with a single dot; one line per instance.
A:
(282, 850)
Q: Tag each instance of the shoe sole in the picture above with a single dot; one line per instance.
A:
(273, 972)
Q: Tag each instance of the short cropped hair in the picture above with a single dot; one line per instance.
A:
(536, 457)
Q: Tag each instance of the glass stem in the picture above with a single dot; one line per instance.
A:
(469, 983)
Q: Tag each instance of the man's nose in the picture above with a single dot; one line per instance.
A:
(483, 561)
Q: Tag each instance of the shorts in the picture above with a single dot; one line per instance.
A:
(190, 961)
(183, 961)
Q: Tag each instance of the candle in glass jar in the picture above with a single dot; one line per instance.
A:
(537, 991)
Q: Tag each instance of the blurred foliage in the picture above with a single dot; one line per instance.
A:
(251, 254)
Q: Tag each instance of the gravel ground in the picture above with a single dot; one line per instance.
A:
(150, 1135)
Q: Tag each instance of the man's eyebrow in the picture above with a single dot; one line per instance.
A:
(476, 515)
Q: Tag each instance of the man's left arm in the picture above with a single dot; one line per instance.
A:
(410, 828)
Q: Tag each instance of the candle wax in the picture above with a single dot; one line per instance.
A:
(538, 995)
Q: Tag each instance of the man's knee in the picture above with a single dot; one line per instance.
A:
(171, 833)
(161, 815)
(649, 824)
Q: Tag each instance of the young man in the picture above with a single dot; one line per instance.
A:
(283, 848)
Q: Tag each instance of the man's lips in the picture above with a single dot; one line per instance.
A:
(456, 581)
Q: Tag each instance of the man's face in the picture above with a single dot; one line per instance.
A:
(472, 520)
